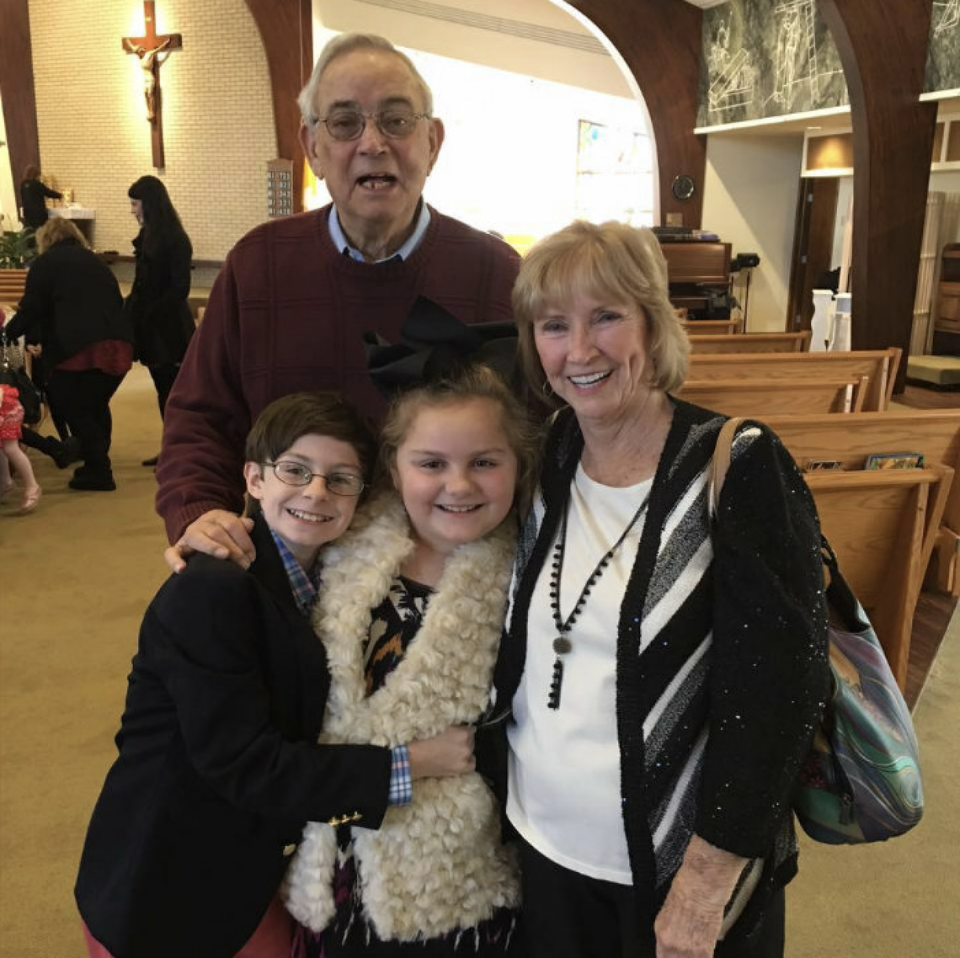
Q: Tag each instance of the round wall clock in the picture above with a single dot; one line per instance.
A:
(683, 187)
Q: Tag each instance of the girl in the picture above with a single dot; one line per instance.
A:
(410, 614)
(11, 425)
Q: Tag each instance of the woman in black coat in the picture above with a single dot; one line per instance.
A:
(73, 310)
(157, 305)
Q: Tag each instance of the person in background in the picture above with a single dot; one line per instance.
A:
(33, 198)
(11, 421)
(219, 768)
(72, 314)
(664, 669)
(410, 613)
(294, 297)
(158, 304)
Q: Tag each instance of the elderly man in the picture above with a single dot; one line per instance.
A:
(294, 297)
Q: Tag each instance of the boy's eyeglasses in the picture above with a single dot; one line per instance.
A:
(347, 125)
(296, 474)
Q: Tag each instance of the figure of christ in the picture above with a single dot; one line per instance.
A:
(149, 64)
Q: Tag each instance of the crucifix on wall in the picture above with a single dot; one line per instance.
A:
(152, 50)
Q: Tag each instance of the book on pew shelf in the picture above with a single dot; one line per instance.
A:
(894, 460)
(822, 465)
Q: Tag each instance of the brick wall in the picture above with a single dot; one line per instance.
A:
(217, 115)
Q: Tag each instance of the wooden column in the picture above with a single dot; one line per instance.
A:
(884, 57)
(19, 96)
(660, 42)
(286, 29)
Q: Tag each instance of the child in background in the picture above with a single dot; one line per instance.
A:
(219, 767)
(11, 424)
(410, 612)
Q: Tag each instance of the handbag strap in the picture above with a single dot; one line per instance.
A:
(721, 462)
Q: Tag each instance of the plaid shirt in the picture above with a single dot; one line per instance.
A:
(304, 586)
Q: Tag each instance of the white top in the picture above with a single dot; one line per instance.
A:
(564, 774)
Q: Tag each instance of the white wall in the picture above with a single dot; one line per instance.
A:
(750, 199)
(8, 194)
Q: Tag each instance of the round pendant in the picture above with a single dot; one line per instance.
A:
(561, 645)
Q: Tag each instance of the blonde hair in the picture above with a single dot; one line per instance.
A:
(464, 385)
(340, 46)
(611, 260)
(57, 230)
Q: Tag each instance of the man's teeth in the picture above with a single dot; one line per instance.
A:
(308, 516)
(376, 182)
(588, 380)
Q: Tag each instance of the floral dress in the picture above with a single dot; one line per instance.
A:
(11, 414)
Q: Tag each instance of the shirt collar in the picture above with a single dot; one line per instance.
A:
(405, 252)
(303, 585)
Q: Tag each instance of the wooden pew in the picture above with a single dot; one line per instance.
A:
(750, 342)
(758, 398)
(933, 432)
(883, 524)
(12, 282)
(711, 326)
(879, 365)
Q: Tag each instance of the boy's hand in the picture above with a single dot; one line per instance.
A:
(217, 533)
(449, 753)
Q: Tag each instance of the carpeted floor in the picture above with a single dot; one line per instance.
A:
(75, 578)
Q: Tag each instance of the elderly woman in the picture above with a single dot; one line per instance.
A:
(665, 669)
(73, 309)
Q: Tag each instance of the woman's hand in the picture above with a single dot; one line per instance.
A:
(449, 753)
(691, 917)
(217, 533)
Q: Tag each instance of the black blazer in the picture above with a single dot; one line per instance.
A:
(218, 769)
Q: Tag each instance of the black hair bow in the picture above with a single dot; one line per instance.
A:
(435, 345)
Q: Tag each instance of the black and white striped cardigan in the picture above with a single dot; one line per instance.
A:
(717, 697)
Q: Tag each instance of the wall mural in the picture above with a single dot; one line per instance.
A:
(943, 55)
(766, 58)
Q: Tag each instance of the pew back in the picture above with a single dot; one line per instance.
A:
(12, 283)
(933, 432)
(758, 397)
(749, 342)
(710, 326)
(883, 525)
(879, 365)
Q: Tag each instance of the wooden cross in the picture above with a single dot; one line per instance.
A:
(148, 49)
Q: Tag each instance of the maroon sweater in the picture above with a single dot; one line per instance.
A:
(287, 313)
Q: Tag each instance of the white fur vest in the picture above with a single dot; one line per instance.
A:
(436, 864)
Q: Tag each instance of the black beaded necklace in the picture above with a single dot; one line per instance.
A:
(561, 644)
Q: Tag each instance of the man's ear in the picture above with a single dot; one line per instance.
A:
(253, 473)
(308, 142)
(437, 134)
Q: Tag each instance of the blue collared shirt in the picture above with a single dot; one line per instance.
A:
(304, 587)
(413, 241)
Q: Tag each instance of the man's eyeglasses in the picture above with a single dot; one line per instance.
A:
(346, 125)
(297, 474)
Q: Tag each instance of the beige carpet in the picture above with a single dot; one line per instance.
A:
(75, 578)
